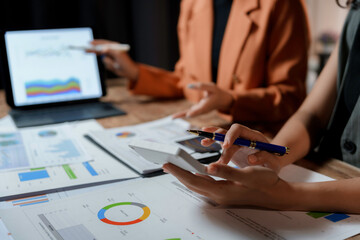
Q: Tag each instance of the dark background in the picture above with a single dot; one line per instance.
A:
(149, 26)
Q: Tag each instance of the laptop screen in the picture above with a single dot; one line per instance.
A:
(45, 69)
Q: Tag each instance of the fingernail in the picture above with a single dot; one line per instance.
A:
(191, 85)
(165, 170)
(252, 159)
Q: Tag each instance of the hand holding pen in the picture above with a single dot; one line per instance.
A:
(115, 58)
(262, 146)
(235, 154)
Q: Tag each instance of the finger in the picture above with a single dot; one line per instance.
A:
(193, 182)
(180, 174)
(221, 130)
(264, 159)
(237, 130)
(181, 114)
(253, 177)
(92, 51)
(226, 172)
(204, 106)
(113, 66)
(101, 41)
(109, 63)
(210, 87)
(248, 175)
(228, 154)
(207, 142)
(110, 52)
(209, 129)
(205, 176)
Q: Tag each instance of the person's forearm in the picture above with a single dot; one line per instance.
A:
(332, 196)
(157, 82)
(302, 130)
(296, 135)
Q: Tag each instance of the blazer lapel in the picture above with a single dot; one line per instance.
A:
(236, 32)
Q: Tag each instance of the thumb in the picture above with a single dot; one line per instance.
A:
(179, 114)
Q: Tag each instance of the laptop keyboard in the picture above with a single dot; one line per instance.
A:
(43, 116)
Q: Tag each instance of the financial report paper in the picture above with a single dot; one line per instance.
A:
(162, 208)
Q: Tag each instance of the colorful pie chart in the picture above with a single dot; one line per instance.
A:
(146, 214)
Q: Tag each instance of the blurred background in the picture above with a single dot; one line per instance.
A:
(149, 26)
(326, 19)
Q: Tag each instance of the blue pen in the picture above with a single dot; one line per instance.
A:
(271, 148)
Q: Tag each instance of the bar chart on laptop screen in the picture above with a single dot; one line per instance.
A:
(44, 68)
(39, 89)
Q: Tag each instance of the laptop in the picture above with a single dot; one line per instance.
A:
(46, 81)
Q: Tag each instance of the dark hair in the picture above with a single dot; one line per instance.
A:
(347, 3)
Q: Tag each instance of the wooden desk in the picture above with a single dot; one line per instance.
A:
(142, 108)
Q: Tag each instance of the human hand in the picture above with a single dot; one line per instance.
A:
(254, 157)
(214, 98)
(255, 185)
(117, 61)
(243, 156)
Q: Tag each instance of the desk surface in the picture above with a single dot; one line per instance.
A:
(142, 108)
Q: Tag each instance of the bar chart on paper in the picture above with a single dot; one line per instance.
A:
(163, 208)
(17, 184)
(53, 146)
(66, 175)
(127, 214)
(46, 146)
(117, 140)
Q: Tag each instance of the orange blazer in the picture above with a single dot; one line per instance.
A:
(263, 58)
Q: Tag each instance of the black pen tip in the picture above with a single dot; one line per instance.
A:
(193, 131)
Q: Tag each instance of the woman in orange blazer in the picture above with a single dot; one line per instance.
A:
(261, 68)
